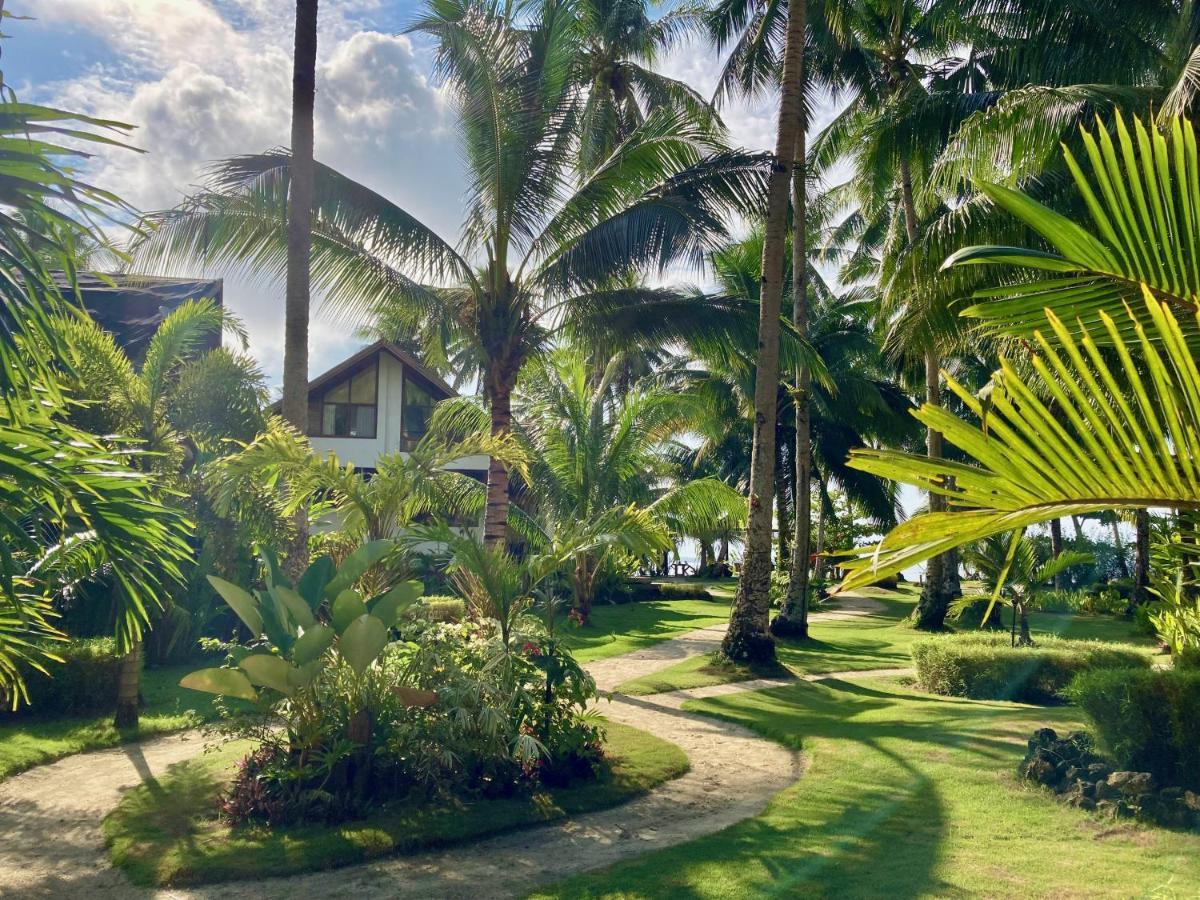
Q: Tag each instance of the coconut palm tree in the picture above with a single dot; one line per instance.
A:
(620, 43)
(541, 250)
(297, 291)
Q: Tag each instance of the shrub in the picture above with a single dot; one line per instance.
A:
(439, 608)
(1146, 721)
(84, 682)
(987, 667)
(1099, 602)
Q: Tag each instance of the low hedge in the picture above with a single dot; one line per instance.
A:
(1146, 721)
(439, 608)
(987, 667)
(84, 682)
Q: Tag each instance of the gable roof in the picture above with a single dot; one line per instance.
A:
(434, 379)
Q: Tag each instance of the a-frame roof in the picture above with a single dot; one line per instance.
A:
(435, 380)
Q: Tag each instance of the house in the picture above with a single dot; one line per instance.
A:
(376, 402)
(131, 307)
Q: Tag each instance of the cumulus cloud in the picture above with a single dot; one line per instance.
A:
(205, 80)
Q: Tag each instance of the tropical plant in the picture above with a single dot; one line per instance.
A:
(115, 396)
(549, 247)
(1013, 573)
(69, 505)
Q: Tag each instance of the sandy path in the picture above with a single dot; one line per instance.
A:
(50, 816)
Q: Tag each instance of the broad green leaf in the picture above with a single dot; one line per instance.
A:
(312, 583)
(310, 645)
(300, 678)
(387, 608)
(300, 612)
(356, 565)
(226, 682)
(241, 602)
(275, 576)
(268, 670)
(362, 642)
(347, 606)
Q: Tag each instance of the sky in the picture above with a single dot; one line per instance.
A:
(206, 79)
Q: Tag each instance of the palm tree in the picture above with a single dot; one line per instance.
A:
(547, 249)
(68, 501)
(748, 638)
(600, 460)
(299, 248)
(620, 44)
(1012, 572)
(140, 402)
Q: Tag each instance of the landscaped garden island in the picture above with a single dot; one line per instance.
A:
(677, 507)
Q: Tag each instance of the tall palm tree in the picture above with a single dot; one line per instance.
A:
(541, 250)
(299, 248)
(748, 638)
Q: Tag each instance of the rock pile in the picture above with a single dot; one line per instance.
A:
(1083, 779)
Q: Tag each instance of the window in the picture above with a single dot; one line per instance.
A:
(418, 406)
(348, 408)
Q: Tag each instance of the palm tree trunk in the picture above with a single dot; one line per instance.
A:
(299, 251)
(1078, 530)
(1121, 560)
(820, 569)
(781, 509)
(792, 620)
(1056, 549)
(495, 522)
(930, 614)
(1141, 560)
(129, 687)
(747, 639)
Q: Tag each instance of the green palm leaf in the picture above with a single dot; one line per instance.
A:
(1086, 430)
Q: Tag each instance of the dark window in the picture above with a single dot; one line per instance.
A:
(348, 408)
(418, 406)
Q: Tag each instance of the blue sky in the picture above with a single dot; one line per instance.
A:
(205, 79)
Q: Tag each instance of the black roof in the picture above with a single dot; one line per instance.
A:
(131, 307)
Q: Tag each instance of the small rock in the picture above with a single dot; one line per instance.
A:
(1072, 773)
(1106, 792)
(1107, 807)
(1043, 737)
(1096, 771)
(1132, 784)
(1191, 800)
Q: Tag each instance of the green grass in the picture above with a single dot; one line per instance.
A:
(614, 630)
(881, 640)
(27, 740)
(905, 795)
(166, 831)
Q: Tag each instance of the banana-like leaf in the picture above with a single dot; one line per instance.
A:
(295, 605)
(1079, 434)
(226, 682)
(312, 583)
(356, 565)
(347, 606)
(241, 602)
(362, 642)
(310, 645)
(268, 670)
(1143, 196)
(388, 607)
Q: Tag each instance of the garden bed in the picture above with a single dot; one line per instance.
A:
(168, 833)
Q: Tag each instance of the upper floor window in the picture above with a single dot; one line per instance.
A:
(418, 406)
(348, 408)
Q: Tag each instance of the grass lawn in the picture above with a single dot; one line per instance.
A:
(880, 640)
(905, 795)
(618, 629)
(166, 832)
(28, 741)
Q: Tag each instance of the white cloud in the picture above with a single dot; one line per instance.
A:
(203, 81)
